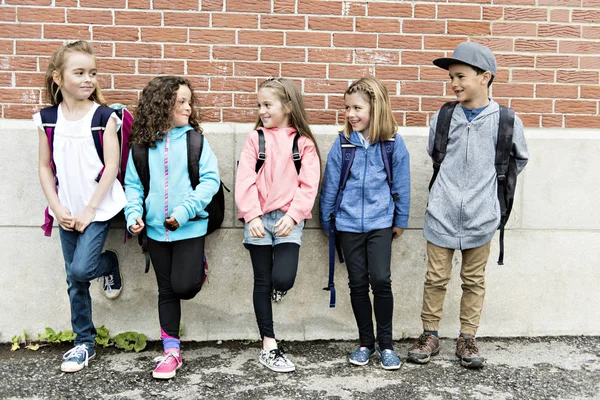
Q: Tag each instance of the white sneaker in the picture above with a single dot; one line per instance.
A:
(276, 361)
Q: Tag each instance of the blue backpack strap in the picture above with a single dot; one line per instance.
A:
(387, 153)
(261, 150)
(99, 121)
(348, 152)
(49, 116)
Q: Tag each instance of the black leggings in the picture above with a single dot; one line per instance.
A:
(368, 258)
(274, 267)
(179, 272)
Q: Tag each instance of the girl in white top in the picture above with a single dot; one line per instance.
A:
(83, 207)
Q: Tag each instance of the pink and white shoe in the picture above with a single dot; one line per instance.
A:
(167, 364)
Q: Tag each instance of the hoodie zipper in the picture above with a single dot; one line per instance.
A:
(166, 164)
(460, 215)
(362, 219)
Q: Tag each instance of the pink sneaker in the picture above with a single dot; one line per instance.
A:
(167, 364)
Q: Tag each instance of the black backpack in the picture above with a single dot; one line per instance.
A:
(506, 166)
(262, 156)
(216, 207)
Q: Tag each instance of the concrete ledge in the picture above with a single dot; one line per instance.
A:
(547, 287)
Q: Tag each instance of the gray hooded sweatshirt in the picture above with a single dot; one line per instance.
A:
(463, 210)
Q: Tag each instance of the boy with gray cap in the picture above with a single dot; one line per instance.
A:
(463, 211)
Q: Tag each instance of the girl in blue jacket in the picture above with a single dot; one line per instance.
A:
(371, 210)
(175, 219)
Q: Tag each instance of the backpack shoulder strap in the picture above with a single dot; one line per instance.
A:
(296, 154)
(49, 116)
(387, 154)
(140, 161)
(99, 122)
(195, 141)
(442, 130)
(261, 150)
(503, 148)
(505, 140)
(348, 152)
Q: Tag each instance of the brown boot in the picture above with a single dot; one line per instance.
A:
(428, 345)
(467, 351)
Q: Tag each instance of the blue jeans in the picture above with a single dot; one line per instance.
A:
(84, 262)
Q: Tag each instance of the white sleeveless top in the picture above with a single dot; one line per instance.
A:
(78, 165)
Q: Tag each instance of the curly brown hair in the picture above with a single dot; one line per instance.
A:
(153, 114)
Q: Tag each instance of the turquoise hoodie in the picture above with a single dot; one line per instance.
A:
(181, 201)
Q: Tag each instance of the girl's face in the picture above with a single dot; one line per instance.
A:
(77, 80)
(180, 115)
(271, 111)
(358, 112)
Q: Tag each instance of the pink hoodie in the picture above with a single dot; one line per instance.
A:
(277, 185)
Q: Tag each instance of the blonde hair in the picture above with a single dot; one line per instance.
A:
(291, 98)
(57, 64)
(383, 125)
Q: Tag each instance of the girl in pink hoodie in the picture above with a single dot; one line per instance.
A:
(275, 189)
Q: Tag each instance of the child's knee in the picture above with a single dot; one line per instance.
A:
(381, 283)
(187, 291)
(79, 272)
(283, 283)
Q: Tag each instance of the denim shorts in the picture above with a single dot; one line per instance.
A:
(269, 220)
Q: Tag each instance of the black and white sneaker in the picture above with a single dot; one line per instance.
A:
(277, 295)
(276, 361)
(113, 283)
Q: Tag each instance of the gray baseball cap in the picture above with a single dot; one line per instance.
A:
(470, 53)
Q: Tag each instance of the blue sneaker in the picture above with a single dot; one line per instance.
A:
(113, 283)
(77, 358)
(361, 356)
(389, 359)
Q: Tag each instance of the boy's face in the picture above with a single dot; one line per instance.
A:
(471, 90)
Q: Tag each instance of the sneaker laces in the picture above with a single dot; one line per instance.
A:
(109, 281)
(278, 356)
(471, 346)
(160, 360)
(423, 339)
(77, 351)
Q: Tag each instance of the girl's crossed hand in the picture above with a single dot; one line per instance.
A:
(84, 218)
(284, 226)
(137, 228)
(64, 218)
(256, 228)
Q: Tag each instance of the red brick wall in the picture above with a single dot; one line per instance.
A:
(547, 50)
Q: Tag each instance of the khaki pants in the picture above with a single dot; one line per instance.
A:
(472, 273)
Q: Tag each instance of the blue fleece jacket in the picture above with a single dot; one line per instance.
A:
(182, 202)
(367, 203)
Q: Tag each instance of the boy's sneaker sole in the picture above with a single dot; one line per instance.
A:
(424, 360)
(74, 367)
(473, 364)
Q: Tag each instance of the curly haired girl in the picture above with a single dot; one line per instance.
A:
(175, 219)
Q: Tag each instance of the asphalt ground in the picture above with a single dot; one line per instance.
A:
(520, 368)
